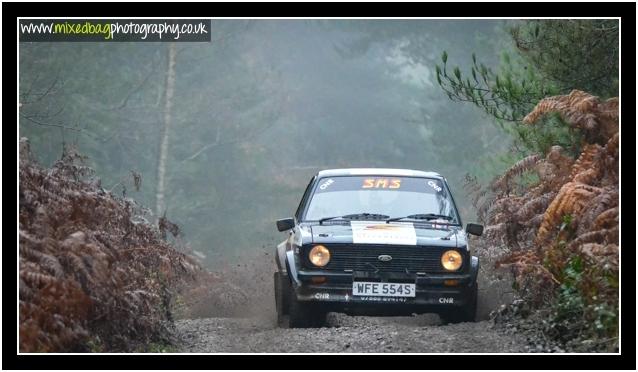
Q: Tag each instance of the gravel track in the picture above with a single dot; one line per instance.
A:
(228, 324)
(345, 334)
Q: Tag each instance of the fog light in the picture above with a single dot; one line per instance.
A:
(318, 279)
(319, 255)
(451, 260)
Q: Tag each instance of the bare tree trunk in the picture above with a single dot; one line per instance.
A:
(165, 136)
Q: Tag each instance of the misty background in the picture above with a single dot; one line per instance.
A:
(255, 113)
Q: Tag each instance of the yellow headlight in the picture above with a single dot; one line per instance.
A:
(319, 255)
(451, 260)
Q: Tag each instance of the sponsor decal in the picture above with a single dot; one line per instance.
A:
(322, 296)
(381, 183)
(438, 226)
(382, 299)
(382, 233)
(446, 300)
(381, 227)
(325, 185)
(435, 186)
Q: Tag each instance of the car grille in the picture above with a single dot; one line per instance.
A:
(366, 258)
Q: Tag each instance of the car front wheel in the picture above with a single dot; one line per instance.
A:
(463, 314)
(282, 293)
(304, 315)
(292, 313)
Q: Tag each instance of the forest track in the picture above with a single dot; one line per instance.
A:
(248, 325)
(345, 334)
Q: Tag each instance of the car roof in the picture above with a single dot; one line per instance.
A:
(377, 172)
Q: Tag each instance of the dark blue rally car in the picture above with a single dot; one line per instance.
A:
(377, 242)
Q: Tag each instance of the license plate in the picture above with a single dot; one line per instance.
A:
(383, 289)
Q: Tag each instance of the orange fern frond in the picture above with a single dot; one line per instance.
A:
(534, 206)
(607, 219)
(581, 110)
(571, 199)
(517, 169)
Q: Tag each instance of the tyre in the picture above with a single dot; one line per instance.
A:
(292, 313)
(281, 296)
(304, 315)
(463, 314)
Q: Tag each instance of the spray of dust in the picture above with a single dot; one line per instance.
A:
(245, 289)
(495, 286)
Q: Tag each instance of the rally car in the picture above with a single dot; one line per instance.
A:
(382, 242)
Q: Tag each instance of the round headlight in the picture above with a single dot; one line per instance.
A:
(319, 255)
(451, 260)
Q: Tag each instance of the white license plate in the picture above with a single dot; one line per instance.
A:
(383, 289)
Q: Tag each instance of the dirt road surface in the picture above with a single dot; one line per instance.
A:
(229, 323)
(345, 334)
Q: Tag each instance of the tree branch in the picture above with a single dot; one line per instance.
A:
(206, 147)
(137, 88)
(29, 118)
(39, 96)
(217, 142)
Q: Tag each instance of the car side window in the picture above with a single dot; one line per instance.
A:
(304, 199)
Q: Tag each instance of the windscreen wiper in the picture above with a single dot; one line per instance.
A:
(426, 216)
(357, 216)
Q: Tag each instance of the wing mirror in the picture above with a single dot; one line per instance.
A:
(474, 229)
(286, 224)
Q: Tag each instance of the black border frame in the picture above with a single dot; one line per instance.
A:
(626, 11)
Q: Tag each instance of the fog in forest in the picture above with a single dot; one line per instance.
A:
(227, 134)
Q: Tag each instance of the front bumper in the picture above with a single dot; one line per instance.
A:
(433, 292)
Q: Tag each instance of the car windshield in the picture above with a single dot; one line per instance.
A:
(394, 197)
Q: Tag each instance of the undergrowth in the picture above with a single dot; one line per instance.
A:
(557, 219)
(94, 275)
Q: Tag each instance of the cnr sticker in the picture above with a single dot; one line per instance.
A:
(381, 183)
(435, 186)
(325, 185)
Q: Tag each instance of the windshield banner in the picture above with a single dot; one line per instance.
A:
(373, 183)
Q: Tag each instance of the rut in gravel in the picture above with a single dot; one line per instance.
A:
(345, 334)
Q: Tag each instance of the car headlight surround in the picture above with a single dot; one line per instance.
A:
(319, 255)
(451, 260)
